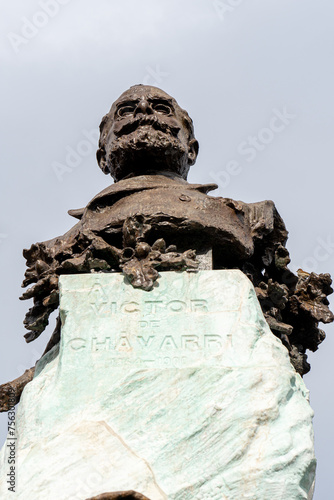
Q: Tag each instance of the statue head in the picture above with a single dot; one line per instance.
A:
(146, 132)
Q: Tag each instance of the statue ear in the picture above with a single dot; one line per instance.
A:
(101, 160)
(193, 148)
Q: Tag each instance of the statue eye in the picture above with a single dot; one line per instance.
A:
(164, 109)
(126, 110)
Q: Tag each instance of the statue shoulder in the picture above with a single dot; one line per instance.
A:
(127, 187)
(263, 219)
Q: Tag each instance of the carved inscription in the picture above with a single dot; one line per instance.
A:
(98, 298)
(154, 332)
(102, 307)
(124, 343)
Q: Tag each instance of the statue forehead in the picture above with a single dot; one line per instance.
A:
(138, 92)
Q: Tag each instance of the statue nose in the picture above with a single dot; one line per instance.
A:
(144, 107)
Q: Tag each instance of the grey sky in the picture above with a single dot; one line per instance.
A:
(234, 69)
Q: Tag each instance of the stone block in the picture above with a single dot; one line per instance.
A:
(178, 393)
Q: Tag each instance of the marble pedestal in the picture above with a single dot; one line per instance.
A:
(178, 393)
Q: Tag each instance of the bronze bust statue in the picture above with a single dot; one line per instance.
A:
(152, 219)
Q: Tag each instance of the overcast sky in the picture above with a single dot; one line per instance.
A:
(234, 65)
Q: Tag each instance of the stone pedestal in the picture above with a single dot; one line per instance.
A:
(179, 393)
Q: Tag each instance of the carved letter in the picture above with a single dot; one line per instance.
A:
(123, 344)
(105, 345)
(130, 307)
(145, 343)
(177, 305)
(212, 341)
(199, 305)
(153, 305)
(190, 342)
(168, 343)
(77, 344)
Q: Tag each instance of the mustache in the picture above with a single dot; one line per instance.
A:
(153, 121)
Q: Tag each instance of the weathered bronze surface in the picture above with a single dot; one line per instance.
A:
(11, 392)
(152, 219)
(120, 495)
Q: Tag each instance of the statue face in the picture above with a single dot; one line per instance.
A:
(146, 132)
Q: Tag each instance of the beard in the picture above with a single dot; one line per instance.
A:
(147, 150)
